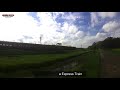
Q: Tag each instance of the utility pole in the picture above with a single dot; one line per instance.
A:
(41, 38)
(114, 34)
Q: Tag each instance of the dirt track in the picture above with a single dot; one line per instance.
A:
(110, 65)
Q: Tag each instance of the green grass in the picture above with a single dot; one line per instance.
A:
(27, 61)
(88, 64)
(116, 51)
(28, 65)
(92, 65)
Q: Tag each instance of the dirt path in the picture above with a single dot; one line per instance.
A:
(110, 65)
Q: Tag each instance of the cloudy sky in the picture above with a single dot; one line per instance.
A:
(69, 28)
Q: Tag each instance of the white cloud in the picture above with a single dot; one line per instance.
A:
(107, 14)
(117, 33)
(80, 34)
(48, 27)
(15, 27)
(70, 17)
(86, 40)
(94, 18)
(101, 36)
(89, 40)
(65, 26)
(24, 28)
(111, 26)
(72, 29)
(69, 28)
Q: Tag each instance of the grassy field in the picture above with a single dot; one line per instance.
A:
(27, 65)
(88, 64)
(91, 64)
(13, 63)
(31, 59)
(116, 51)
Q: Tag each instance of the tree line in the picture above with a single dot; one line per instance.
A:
(108, 43)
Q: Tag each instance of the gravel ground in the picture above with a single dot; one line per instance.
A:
(110, 65)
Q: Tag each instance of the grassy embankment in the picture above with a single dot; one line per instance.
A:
(16, 63)
(88, 64)
(24, 65)
(91, 64)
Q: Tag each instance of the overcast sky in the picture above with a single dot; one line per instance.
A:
(68, 28)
